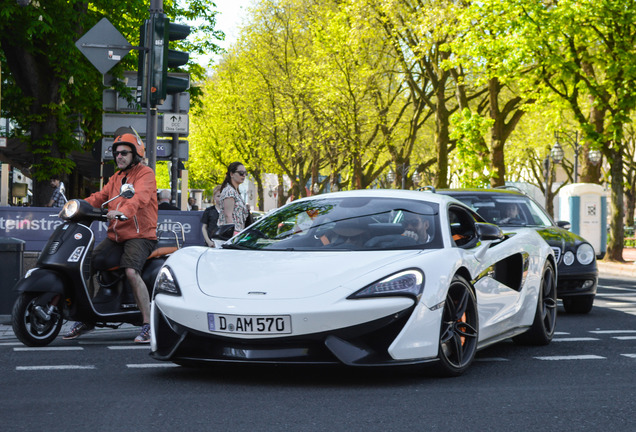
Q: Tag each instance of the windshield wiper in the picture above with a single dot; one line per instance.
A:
(234, 246)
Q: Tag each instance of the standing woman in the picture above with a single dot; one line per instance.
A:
(233, 209)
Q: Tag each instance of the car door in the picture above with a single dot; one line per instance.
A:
(499, 271)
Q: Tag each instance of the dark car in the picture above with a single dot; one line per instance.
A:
(510, 209)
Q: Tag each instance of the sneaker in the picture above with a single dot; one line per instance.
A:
(144, 336)
(79, 328)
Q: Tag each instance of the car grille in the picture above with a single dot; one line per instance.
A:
(557, 253)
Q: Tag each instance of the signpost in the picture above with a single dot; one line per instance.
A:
(103, 46)
(156, 90)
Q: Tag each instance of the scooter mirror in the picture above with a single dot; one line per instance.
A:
(127, 190)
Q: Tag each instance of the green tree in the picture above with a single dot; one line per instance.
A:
(47, 81)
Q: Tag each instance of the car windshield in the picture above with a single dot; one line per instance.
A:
(506, 209)
(347, 223)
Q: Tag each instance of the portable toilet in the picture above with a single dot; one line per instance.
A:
(584, 205)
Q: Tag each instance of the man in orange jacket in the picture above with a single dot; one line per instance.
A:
(134, 238)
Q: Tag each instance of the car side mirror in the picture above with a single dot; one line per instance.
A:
(486, 231)
(224, 232)
(564, 224)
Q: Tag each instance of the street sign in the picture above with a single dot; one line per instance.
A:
(111, 122)
(3, 142)
(103, 46)
(175, 123)
(111, 101)
(164, 149)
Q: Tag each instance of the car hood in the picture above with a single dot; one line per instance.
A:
(289, 275)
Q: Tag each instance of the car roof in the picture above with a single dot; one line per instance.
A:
(390, 193)
(495, 191)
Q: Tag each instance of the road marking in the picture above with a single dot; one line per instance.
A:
(128, 347)
(560, 333)
(151, 365)
(53, 367)
(582, 339)
(629, 355)
(10, 343)
(612, 331)
(624, 337)
(572, 357)
(492, 359)
(64, 348)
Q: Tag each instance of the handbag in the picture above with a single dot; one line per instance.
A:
(249, 220)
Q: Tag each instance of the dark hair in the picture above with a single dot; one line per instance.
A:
(230, 170)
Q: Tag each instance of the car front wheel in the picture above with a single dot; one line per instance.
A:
(459, 329)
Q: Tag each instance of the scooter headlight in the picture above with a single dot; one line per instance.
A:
(70, 209)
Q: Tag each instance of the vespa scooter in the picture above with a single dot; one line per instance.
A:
(61, 285)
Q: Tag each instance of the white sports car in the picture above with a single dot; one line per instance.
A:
(361, 278)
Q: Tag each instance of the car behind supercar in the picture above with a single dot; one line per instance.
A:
(344, 278)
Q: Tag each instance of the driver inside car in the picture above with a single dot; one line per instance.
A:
(511, 213)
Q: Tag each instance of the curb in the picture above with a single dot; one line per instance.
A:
(616, 269)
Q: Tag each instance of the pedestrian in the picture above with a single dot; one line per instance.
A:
(134, 239)
(164, 201)
(210, 217)
(57, 197)
(233, 209)
(192, 203)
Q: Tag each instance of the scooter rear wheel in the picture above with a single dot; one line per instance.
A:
(30, 328)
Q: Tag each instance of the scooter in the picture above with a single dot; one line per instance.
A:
(61, 285)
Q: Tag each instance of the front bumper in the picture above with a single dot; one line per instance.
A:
(365, 344)
(575, 281)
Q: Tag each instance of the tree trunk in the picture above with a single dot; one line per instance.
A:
(442, 138)
(616, 232)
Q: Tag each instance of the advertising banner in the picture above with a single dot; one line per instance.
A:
(35, 225)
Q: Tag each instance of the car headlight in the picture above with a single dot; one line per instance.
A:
(70, 209)
(405, 283)
(585, 253)
(568, 258)
(165, 283)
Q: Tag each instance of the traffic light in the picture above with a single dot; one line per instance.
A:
(158, 57)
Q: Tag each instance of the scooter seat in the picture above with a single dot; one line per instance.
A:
(162, 251)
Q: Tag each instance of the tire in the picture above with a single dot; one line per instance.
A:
(578, 304)
(459, 329)
(30, 329)
(542, 329)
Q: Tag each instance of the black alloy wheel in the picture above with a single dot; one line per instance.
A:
(459, 329)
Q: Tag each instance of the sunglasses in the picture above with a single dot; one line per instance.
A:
(123, 153)
(241, 173)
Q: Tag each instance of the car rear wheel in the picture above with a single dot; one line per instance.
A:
(544, 323)
(578, 304)
(459, 329)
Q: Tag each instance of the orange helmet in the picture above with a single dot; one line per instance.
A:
(131, 140)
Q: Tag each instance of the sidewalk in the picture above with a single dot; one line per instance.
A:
(626, 269)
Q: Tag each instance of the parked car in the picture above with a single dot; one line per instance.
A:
(360, 278)
(576, 260)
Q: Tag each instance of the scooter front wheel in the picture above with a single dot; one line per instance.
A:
(35, 321)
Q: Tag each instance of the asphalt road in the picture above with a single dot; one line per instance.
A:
(583, 381)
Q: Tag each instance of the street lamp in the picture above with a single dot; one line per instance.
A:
(390, 177)
(593, 156)
(78, 133)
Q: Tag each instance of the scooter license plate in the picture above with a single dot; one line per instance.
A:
(250, 324)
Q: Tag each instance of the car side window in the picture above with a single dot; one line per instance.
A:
(462, 227)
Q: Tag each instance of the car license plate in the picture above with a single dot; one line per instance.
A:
(249, 324)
